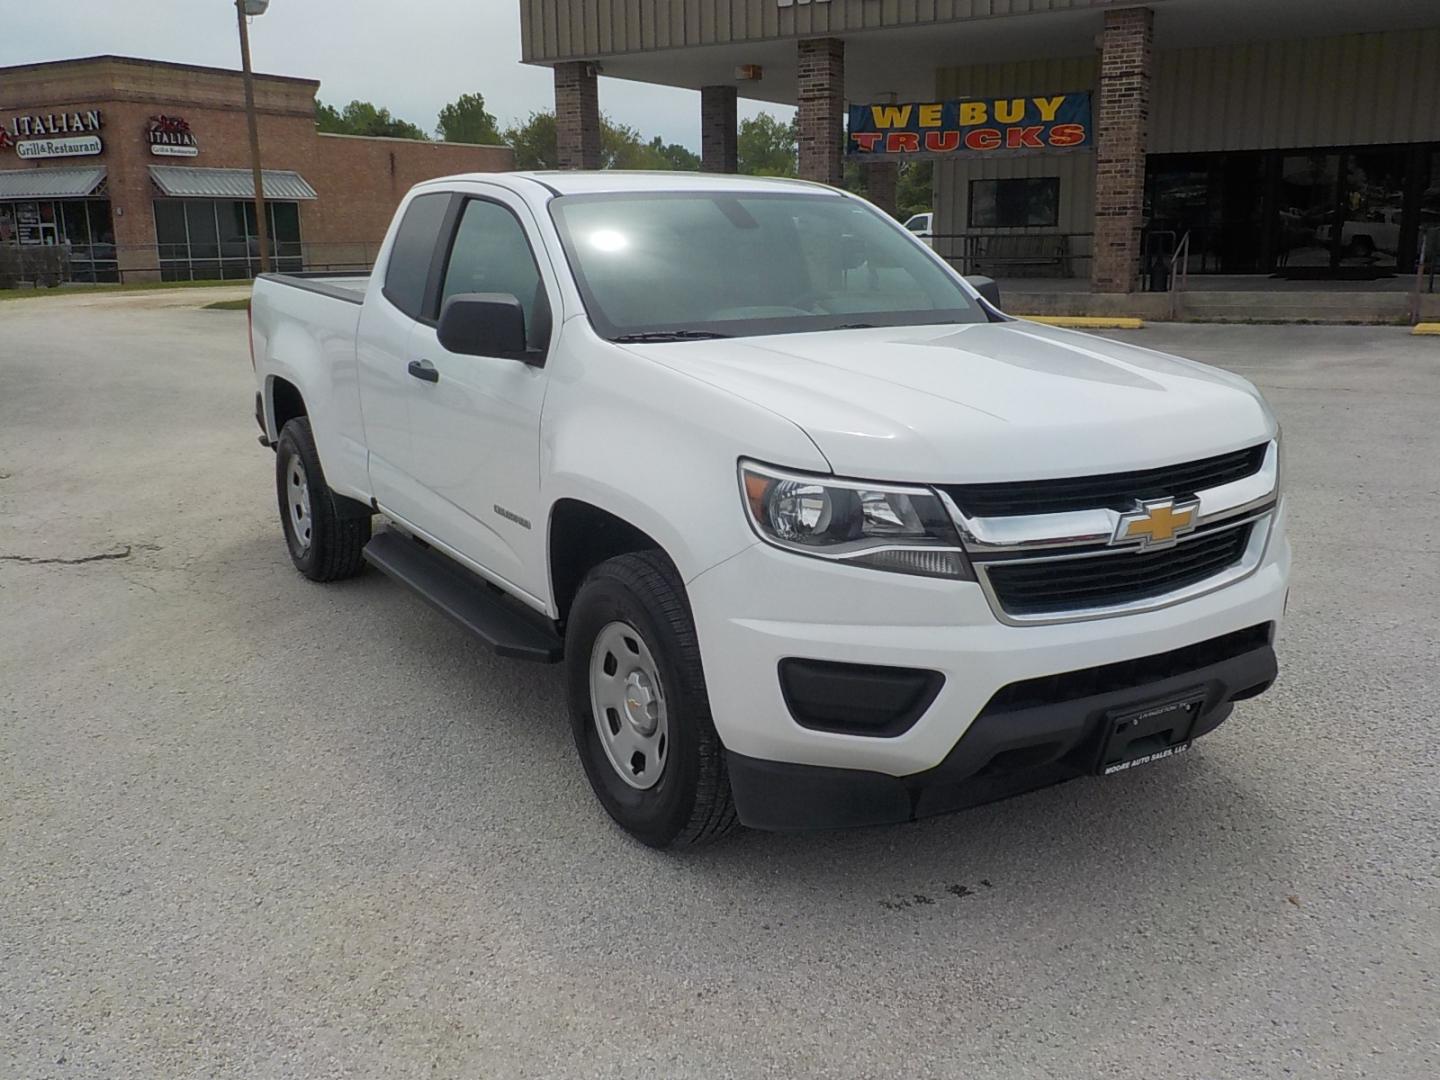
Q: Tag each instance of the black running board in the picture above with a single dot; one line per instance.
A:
(476, 605)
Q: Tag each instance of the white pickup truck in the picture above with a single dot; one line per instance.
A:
(822, 537)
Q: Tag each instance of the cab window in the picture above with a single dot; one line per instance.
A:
(492, 255)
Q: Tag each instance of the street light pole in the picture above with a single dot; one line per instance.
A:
(240, 11)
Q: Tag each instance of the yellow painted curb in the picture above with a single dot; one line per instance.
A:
(1426, 328)
(1088, 322)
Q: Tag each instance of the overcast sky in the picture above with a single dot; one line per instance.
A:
(412, 56)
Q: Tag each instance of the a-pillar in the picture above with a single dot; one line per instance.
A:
(1120, 139)
(717, 129)
(820, 94)
(577, 116)
(882, 179)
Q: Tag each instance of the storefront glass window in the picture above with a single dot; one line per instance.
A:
(1349, 211)
(1429, 212)
(203, 239)
(285, 230)
(1015, 203)
(80, 228)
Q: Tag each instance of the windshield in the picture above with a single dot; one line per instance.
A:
(677, 266)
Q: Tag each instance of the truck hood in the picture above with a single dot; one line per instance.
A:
(982, 401)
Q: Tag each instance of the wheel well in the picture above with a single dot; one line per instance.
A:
(285, 403)
(583, 536)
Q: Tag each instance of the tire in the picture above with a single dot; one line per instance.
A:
(680, 797)
(330, 549)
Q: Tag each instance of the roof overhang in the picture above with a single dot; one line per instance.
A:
(182, 182)
(901, 56)
(63, 183)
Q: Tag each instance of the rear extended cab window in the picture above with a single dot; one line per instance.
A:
(413, 253)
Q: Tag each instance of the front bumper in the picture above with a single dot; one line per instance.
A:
(1019, 742)
(765, 605)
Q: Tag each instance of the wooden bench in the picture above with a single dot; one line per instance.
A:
(1022, 255)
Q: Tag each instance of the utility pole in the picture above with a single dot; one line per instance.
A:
(243, 8)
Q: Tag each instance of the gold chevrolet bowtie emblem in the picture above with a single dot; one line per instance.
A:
(1157, 523)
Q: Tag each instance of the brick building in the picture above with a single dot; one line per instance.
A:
(141, 169)
(1071, 137)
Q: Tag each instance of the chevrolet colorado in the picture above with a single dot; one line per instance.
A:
(822, 536)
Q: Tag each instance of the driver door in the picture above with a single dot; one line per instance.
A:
(475, 430)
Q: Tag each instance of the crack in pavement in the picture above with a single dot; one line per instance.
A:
(122, 553)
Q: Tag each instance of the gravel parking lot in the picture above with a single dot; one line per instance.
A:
(255, 827)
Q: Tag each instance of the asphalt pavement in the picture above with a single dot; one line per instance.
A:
(255, 827)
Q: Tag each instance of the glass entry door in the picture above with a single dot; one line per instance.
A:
(1372, 211)
(1305, 209)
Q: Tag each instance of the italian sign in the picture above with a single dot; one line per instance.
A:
(50, 135)
(70, 146)
(170, 136)
(976, 126)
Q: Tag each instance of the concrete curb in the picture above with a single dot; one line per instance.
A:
(1088, 322)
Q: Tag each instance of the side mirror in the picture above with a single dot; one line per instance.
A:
(987, 287)
(483, 324)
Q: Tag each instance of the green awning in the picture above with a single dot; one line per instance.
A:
(181, 182)
(69, 183)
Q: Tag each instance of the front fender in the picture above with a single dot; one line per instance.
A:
(658, 448)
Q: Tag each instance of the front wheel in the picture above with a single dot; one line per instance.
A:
(324, 545)
(638, 706)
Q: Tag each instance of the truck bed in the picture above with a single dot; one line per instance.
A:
(348, 287)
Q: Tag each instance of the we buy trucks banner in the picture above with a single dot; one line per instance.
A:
(977, 126)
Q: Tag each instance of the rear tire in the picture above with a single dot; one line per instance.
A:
(323, 544)
(638, 706)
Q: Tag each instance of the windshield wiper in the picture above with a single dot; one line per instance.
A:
(667, 335)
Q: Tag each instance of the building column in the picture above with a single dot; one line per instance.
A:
(1120, 139)
(577, 116)
(820, 93)
(132, 215)
(718, 116)
(882, 179)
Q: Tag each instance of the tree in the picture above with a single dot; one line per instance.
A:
(767, 146)
(533, 141)
(915, 193)
(672, 156)
(466, 120)
(364, 118)
(621, 146)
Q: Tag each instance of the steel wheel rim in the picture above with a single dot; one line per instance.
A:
(628, 706)
(297, 503)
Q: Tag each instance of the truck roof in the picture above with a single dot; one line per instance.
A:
(623, 180)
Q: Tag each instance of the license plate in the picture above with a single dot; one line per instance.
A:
(1151, 733)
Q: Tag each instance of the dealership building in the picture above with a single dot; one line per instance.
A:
(1071, 138)
(138, 169)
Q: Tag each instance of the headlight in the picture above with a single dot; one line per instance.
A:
(903, 529)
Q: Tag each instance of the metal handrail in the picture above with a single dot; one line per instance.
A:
(1420, 262)
(1179, 273)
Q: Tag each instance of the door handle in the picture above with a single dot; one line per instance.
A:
(424, 370)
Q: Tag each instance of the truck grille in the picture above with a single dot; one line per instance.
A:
(1114, 491)
(1049, 586)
